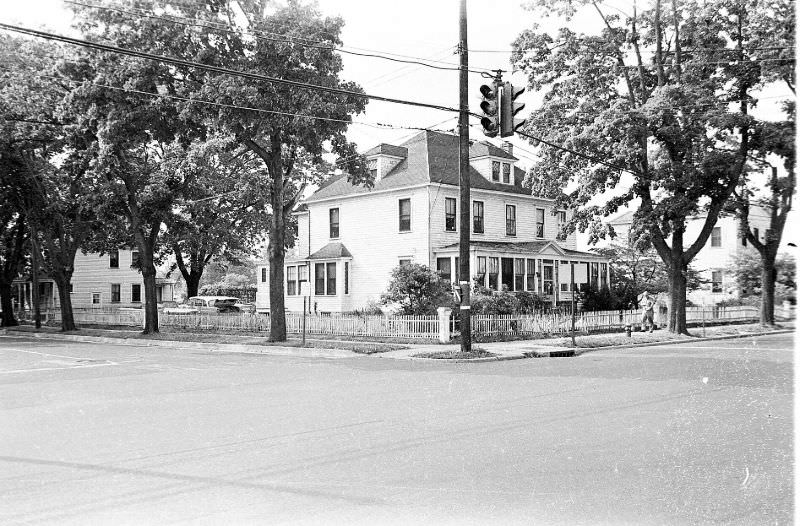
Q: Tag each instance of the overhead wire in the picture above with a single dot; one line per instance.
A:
(187, 63)
(283, 38)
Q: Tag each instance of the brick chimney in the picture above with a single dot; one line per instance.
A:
(508, 147)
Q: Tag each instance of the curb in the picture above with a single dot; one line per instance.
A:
(465, 360)
(308, 352)
(580, 351)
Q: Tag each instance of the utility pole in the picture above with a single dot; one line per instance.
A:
(463, 178)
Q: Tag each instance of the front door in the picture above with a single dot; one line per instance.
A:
(507, 273)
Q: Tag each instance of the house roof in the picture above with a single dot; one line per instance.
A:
(623, 219)
(331, 251)
(432, 158)
(387, 149)
(523, 247)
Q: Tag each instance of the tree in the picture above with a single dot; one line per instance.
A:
(223, 212)
(138, 137)
(46, 163)
(418, 289)
(747, 269)
(677, 121)
(288, 127)
(635, 267)
(776, 139)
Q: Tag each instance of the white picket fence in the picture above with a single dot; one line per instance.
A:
(416, 327)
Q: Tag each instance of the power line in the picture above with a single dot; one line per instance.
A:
(216, 69)
(259, 35)
(376, 125)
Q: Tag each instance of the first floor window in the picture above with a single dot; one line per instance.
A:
(291, 281)
(302, 277)
(594, 278)
(519, 273)
(603, 275)
(115, 293)
(319, 279)
(443, 268)
(95, 298)
(531, 275)
(136, 293)
(716, 281)
(547, 278)
(404, 261)
(330, 286)
(404, 207)
(481, 270)
(494, 272)
(450, 214)
(347, 277)
(477, 217)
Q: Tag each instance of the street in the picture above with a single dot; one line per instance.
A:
(697, 433)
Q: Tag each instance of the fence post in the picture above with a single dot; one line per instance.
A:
(444, 324)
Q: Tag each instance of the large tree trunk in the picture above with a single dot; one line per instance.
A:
(150, 297)
(35, 296)
(62, 280)
(192, 274)
(276, 252)
(192, 280)
(677, 298)
(768, 287)
(7, 305)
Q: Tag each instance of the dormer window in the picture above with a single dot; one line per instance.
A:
(506, 173)
(496, 171)
(372, 164)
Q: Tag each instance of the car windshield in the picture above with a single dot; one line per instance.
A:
(221, 303)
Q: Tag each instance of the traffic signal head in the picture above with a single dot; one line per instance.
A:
(508, 109)
(490, 107)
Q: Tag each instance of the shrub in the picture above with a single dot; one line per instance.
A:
(602, 299)
(417, 289)
(372, 308)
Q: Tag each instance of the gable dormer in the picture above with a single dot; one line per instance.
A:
(495, 164)
(382, 159)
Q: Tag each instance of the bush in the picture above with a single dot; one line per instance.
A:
(603, 299)
(418, 289)
(372, 308)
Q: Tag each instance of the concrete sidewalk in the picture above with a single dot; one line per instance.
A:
(509, 350)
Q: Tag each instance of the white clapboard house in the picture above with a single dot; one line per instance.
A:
(351, 237)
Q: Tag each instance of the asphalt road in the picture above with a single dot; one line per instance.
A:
(107, 434)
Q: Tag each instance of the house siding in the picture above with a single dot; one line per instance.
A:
(93, 273)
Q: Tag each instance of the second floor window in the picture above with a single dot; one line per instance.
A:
(506, 173)
(716, 237)
(511, 220)
(404, 207)
(113, 258)
(334, 222)
(496, 171)
(562, 217)
(263, 274)
(136, 261)
(450, 214)
(477, 217)
(540, 222)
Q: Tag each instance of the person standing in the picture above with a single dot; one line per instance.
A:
(648, 303)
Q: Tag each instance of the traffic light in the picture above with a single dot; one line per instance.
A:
(509, 108)
(490, 106)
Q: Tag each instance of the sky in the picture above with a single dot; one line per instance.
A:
(426, 29)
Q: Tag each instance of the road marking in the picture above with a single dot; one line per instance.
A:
(14, 371)
(43, 353)
(733, 348)
(747, 471)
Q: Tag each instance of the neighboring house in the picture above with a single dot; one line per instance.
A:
(110, 280)
(351, 237)
(712, 262)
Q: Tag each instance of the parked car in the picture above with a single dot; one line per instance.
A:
(214, 304)
(246, 307)
(172, 307)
